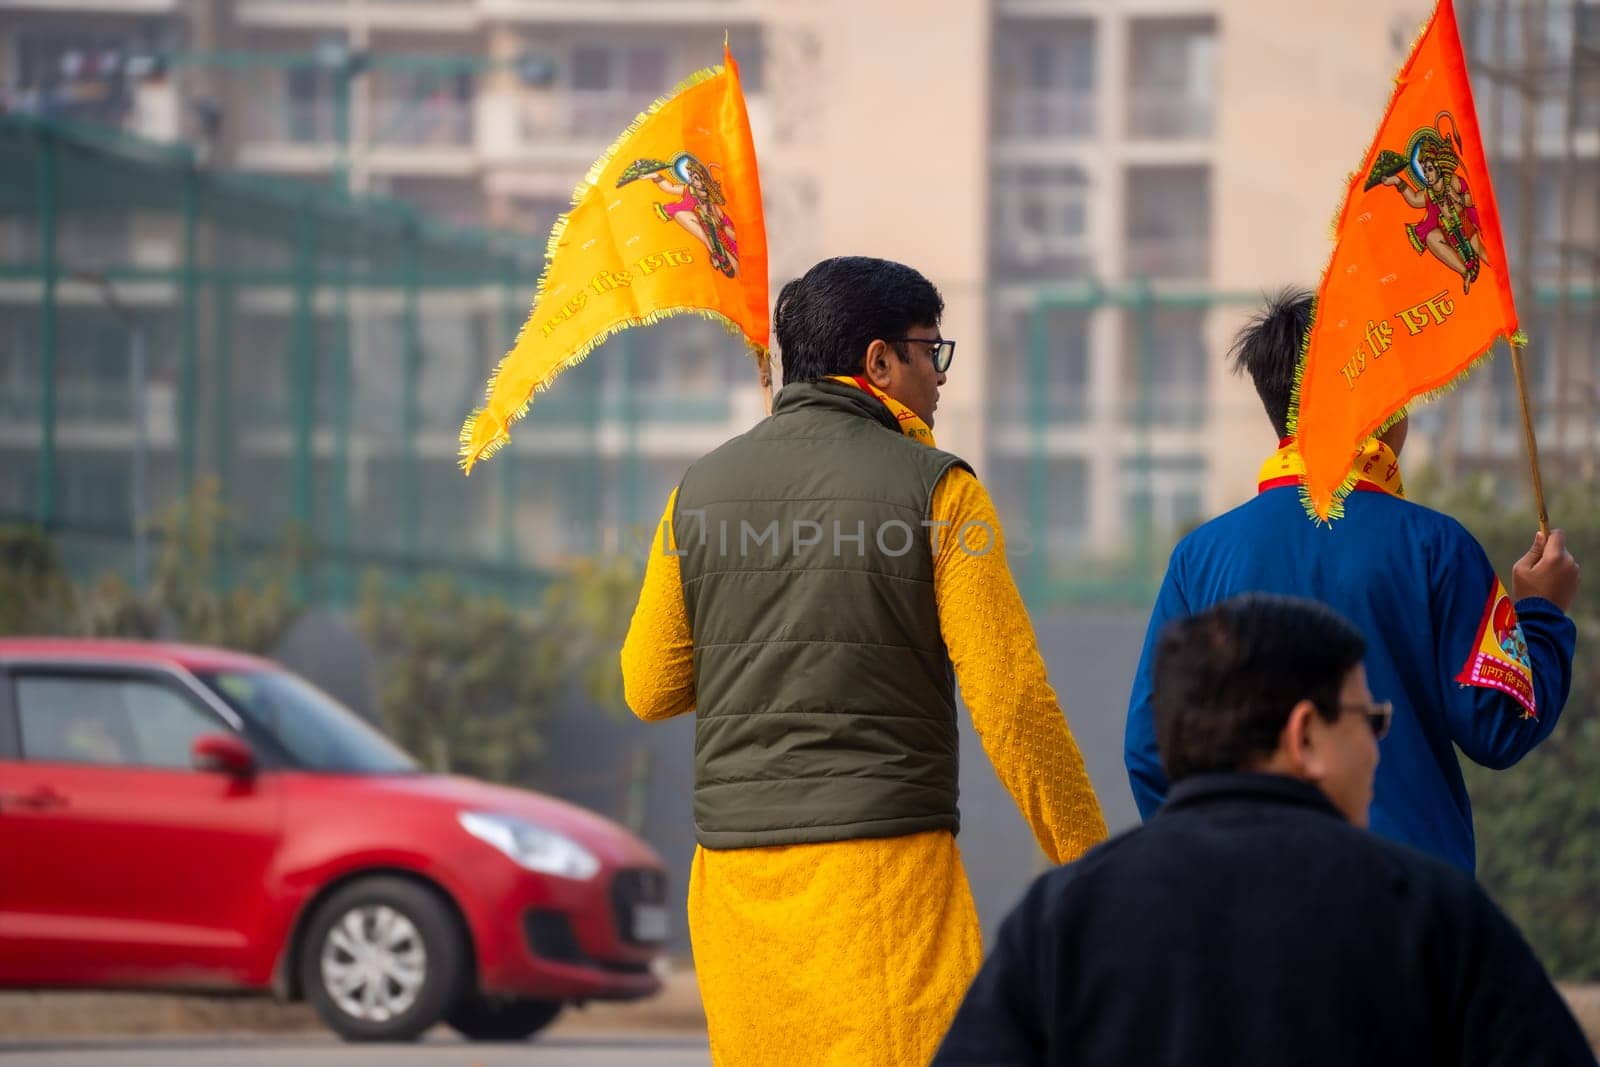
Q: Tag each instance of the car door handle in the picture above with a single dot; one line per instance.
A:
(41, 799)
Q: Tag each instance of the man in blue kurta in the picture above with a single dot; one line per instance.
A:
(1465, 663)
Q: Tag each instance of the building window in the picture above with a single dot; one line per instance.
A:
(1043, 503)
(1164, 494)
(75, 75)
(458, 201)
(308, 113)
(1044, 80)
(679, 369)
(422, 108)
(595, 88)
(591, 69)
(93, 488)
(1039, 364)
(1164, 368)
(1169, 222)
(1172, 74)
(611, 84)
(535, 216)
(1040, 216)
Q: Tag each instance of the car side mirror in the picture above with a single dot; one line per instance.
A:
(225, 754)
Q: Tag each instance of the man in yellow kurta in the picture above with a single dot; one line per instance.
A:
(814, 582)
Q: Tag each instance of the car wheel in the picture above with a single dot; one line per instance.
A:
(383, 960)
(493, 1019)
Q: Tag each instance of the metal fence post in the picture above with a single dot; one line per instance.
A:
(411, 342)
(1143, 307)
(188, 355)
(511, 322)
(49, 271)
(338, 501)
(628, 512)
(1038, 467)
(302, 384)
(222, 428)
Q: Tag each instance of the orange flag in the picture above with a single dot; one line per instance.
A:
(668, 221)
(1417, 290)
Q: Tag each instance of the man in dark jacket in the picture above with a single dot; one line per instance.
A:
(1254, 919)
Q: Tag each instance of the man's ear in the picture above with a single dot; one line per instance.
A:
(1297, 744)
(877, 367)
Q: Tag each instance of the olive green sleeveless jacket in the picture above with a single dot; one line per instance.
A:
(825, 699)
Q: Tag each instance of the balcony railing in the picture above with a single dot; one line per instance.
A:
(1045, 113)
(1026, 255)
(396, 121)
(1066, 405)
(433, 121)
(580, 114)
(296, 120)
(107, 401)
(1160, 114)
(1169, 258)
(1165, 406)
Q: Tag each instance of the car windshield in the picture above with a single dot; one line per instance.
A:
(315, 731)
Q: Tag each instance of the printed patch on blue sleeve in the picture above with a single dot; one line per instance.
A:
(1499, 657)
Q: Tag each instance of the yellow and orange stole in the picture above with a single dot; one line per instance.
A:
(1417, 289)
(667, 222)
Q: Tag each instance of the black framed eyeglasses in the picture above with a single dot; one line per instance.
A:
(1379, 714)
(942, 350)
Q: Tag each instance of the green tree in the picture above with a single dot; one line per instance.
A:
(185, 600)
(36, 596)
(468, 683)
(1538, 823)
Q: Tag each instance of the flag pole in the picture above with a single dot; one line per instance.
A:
(1527, 432)
(764, 370)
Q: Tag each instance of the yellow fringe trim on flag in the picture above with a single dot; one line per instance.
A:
(1427, 396)
(590, 180)
(502, 438)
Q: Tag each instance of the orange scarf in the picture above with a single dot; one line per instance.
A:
(1376, 469)
(911, 423)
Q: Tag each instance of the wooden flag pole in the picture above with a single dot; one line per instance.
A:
(1533, 445)
(765, 370)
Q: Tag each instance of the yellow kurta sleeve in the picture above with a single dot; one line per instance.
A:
(996, 656)
(658, 653)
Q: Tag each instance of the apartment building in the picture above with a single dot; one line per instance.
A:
(1102, 188)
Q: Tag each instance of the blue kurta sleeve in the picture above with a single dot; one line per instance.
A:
(1004, 1019)
(1490, 725)
(1139, 752)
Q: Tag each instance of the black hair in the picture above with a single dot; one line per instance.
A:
(1227, 678)
(1268, 347)
(826, 319)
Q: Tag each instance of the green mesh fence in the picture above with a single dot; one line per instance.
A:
(312, 352)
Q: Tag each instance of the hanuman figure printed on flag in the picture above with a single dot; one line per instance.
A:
(1428, 176)
(699, 207)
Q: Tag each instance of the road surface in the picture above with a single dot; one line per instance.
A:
(315, 1050)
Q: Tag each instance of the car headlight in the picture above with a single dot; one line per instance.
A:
(532, 846)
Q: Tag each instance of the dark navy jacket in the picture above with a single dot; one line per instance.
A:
(1248, 924)
(1417, 586)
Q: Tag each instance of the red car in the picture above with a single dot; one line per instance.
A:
(185, 818)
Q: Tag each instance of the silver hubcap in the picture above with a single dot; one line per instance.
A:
(374, 963)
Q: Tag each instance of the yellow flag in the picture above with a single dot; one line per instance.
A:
(668, 221)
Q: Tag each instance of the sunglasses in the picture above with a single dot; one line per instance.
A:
(1379, 716)
(942, 350)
